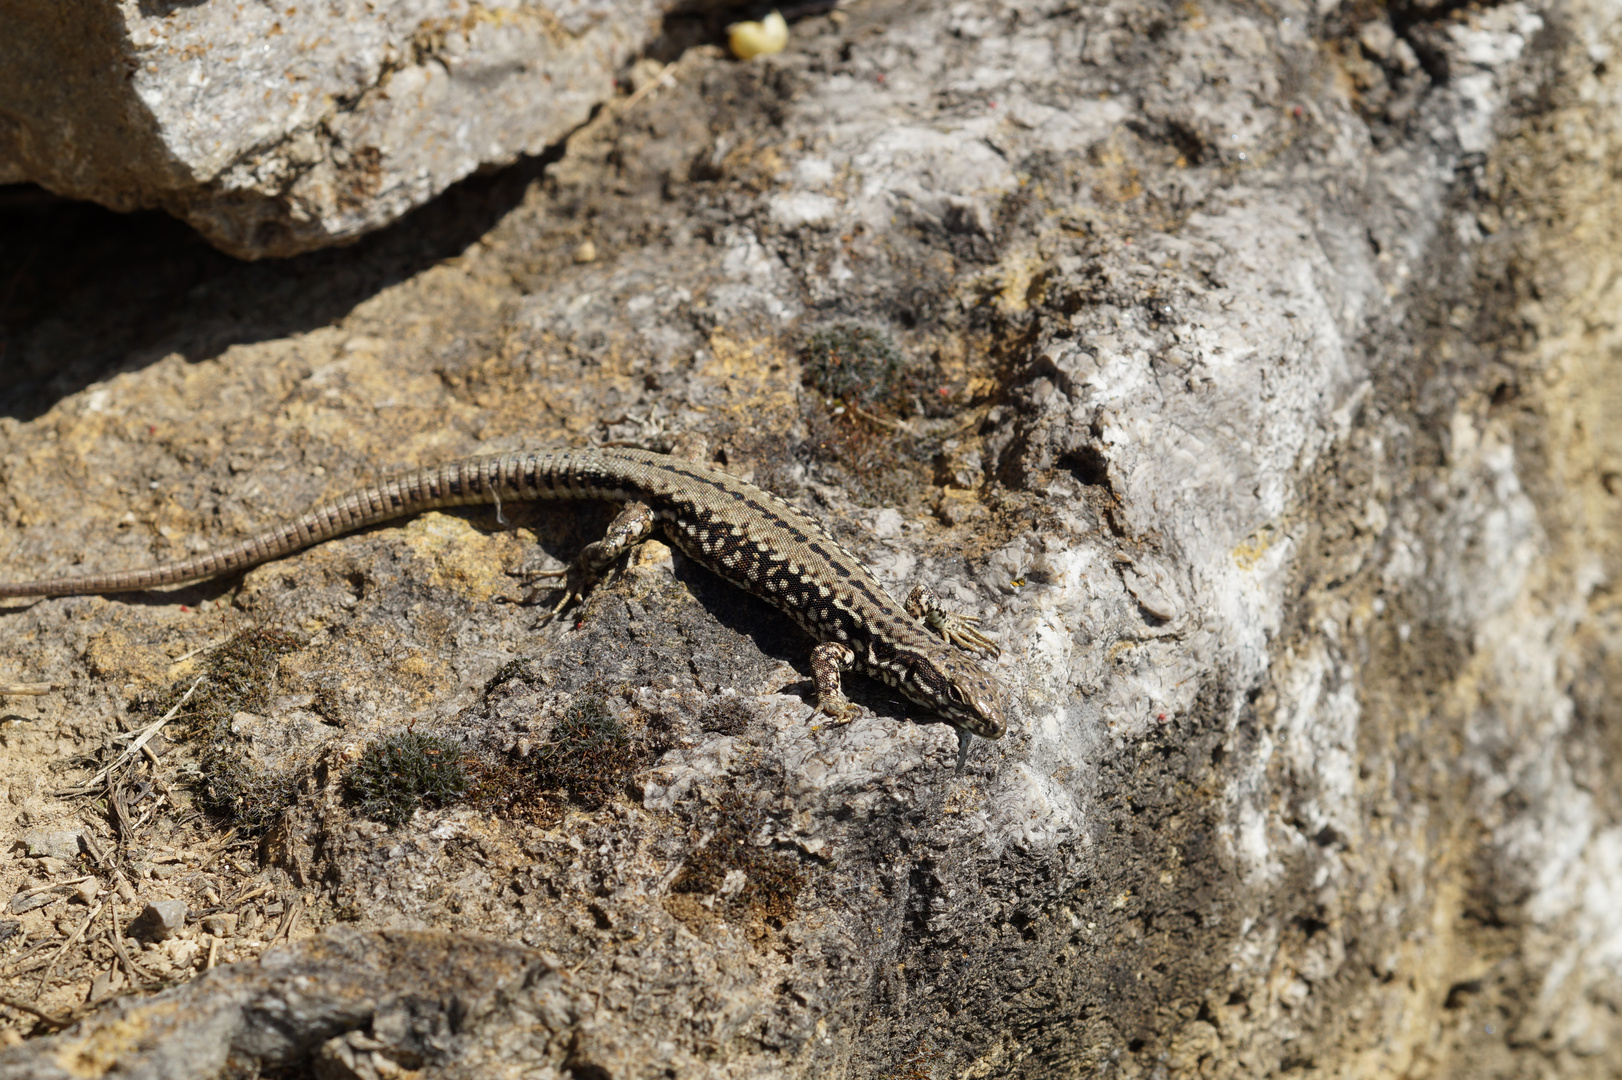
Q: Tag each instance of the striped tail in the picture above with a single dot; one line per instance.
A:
(490, 479)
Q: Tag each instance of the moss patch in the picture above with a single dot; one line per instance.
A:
(772, 879)
(237, 677)
(876, 401)
(251, 798)
(589, 754)
(400, 773)
(858, 365)
(505, 786)
(918, 1065)
(522, 669)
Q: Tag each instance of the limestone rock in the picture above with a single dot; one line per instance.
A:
(160, 920)
(275, 128)
(1252, 383)
(60, 844)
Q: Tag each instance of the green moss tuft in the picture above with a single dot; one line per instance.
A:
(522, 669)
(399, 773)
(856, 365)
(505, 786)
(918, 1065)
(589, 755)
(868, 417)
(237, 678)
(252, 799)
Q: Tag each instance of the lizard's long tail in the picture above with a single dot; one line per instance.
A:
(491, 479)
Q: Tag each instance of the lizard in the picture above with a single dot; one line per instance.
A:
(751, 538)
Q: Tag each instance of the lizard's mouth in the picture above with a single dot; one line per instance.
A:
(986, 726)
(982, 718)
(977, 713)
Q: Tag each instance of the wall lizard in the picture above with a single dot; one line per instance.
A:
(757, 541)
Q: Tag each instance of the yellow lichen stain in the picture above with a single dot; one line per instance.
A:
(101, 1051)
(750, 369)
(417, 665)
(732, 355)
(752, 166)
(1119, 648)
(1247, 555)
(1020, 288)
(111, 656)
(459, 557)
(1117, 176)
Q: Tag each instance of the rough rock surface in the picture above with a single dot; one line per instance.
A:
(275, 128)
(1248, 370)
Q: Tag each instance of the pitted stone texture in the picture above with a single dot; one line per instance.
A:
(161, 920)
(276, 128)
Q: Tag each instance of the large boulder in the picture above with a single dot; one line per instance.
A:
(275, 128)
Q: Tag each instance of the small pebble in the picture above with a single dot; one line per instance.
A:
(87, 890)
(24, 902)
(161, 919)
(749, 39)
(105, 983)
(221, 926)
(586, 252)
(184, 953)
(59, 844)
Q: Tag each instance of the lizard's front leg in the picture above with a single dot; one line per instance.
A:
(827, 661)
(630, 527)
(960, 630)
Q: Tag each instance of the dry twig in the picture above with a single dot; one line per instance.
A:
(137, 974)
(48, 886)
(664, 78)
(54, 1019)
(183, 657)
(29, 689)
(134, 749)
(66, 945)
(16, 967)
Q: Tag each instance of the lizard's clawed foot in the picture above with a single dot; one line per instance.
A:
(532, 593)
(577, 583)
(839, 710)
(961, 630)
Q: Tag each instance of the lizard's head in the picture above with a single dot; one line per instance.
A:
(959, 690)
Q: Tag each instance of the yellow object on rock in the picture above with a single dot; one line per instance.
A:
(769, 35)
